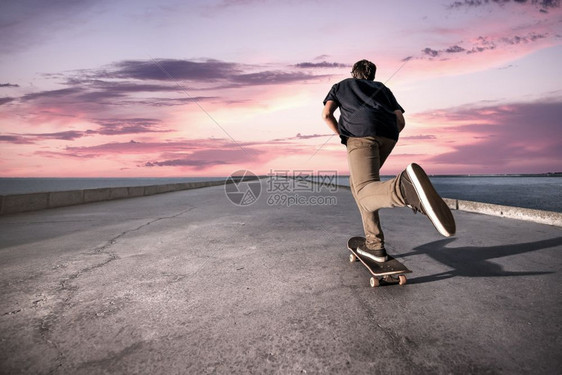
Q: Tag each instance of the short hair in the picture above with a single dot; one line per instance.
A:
(364, 69)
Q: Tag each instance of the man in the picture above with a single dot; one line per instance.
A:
(369, 124)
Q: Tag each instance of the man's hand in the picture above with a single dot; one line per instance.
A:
(328, 115)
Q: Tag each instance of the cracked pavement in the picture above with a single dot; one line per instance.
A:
(187, 282)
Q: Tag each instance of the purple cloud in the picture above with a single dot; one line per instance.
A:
(302, 136)
(323, 64)
(53, 94)
(516, 39)
(167, 148)
(31, 138)
(199, 71)
(62, 93)
(63, 155)
(430, 52)
(119, 83)
(128, 126)
(455, 49)
(209, 157)
(272, 78)
(483, 43)
(91, 96)
(169, 102)
(419, 137)
(542, 5)
(232, 3)
(8, 85)
(66, 135)
(15, 139)
(117, 126)
(6, 100)
(187, 162)
(195, 153)
(166, 69)
(124, 87)
(520, 134)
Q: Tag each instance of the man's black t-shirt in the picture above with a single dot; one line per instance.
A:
(366, 109)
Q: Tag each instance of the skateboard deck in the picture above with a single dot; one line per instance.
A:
(389, 272)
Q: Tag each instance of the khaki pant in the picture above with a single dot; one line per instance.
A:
(366, 156)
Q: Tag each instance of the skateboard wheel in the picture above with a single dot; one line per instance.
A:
(402, 279)
(352, 258)
(374, 282)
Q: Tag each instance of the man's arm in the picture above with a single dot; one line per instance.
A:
(400, 121)
(328, 115)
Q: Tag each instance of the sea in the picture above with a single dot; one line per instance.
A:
(536, 192)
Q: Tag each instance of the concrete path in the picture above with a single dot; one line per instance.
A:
(189, 283)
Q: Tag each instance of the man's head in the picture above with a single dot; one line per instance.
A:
(364, 69)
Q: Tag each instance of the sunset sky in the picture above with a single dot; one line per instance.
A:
(204, 88)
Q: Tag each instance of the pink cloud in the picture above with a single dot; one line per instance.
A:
(300, 136)
(202, 159)
(135, 147)
(538, 5)
(15, 139)
(478, 39)
(488, 47)
(123, 126)
(197, 155)
(6, 100)
(516, 137)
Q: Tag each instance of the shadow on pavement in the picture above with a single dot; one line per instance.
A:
(472, 261)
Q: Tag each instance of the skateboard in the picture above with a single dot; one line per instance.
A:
(389, 272)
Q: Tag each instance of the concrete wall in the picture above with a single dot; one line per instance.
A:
(537, 216)
(11, 204)
(527, 214)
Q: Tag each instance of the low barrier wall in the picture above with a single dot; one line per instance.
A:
(519, 213)
(528, 214)
(11, 204)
